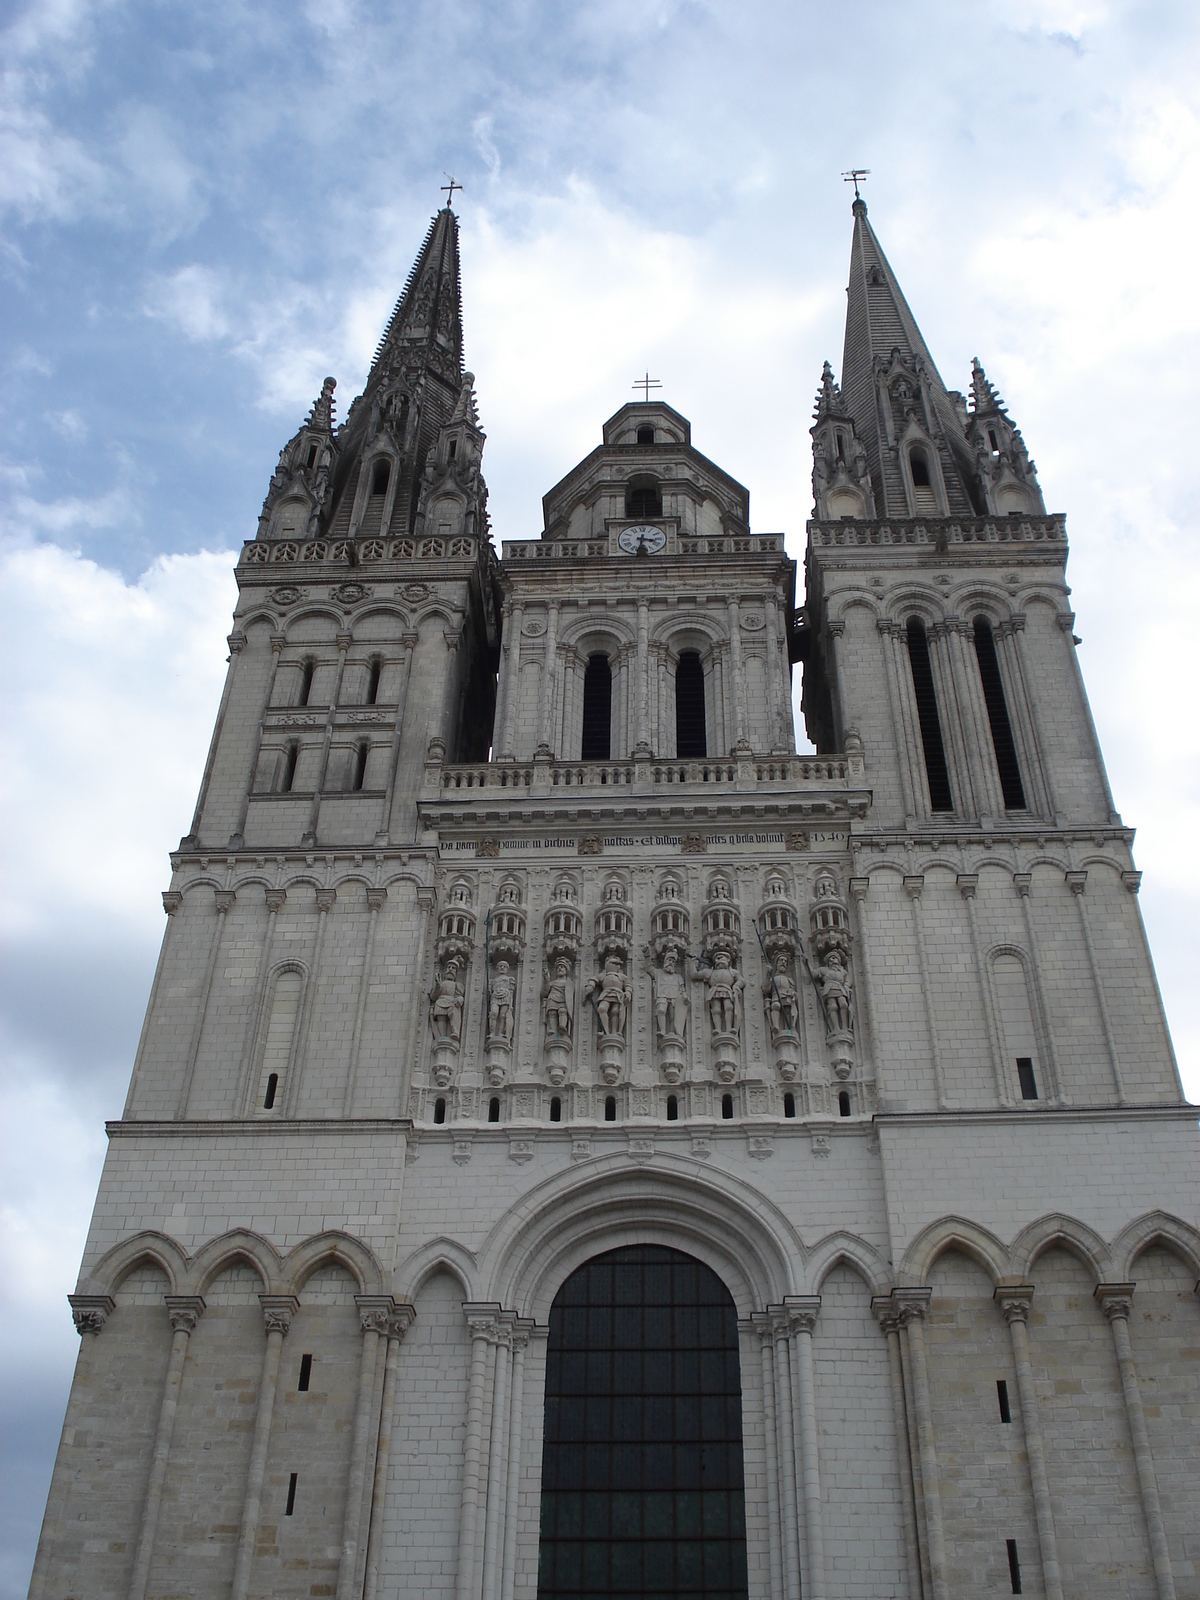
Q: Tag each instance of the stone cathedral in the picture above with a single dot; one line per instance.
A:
(580, 1147)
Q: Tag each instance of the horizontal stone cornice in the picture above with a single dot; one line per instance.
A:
(257, 1128)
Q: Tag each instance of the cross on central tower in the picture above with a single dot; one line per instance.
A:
(449, 188)
(645, 385)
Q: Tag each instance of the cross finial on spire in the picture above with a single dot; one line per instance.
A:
(449, 188)
(645, 385)
(854, 174)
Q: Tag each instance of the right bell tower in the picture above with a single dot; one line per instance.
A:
(992, 870)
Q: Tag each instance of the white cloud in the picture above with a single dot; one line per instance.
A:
(193, 299)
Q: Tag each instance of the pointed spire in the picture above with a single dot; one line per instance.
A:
(895, 394)
(829, 397)
(428, 314)
(1006, 475)
(983, 394)
(321, 416)
(466, 409)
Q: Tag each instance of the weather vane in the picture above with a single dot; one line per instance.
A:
(646, 384)
(449, 188)
(854, 175)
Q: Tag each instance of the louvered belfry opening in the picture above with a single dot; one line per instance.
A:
(691, 740)
(597, 710)
(643, 500)
(927, 713)
(993, 697)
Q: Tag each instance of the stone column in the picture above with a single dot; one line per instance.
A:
(498, 1442)
(858, 893)
(224, 900)
(408, 643)
(760, 1322)
(968, 887)
(481, 1321)
(375, 902)
(1014, 1301)
(374, 1315)
(888, 630)
(1066, 626)
(545, 736)
(889, 1326)
(566, 737)
(521, 1332)
(1077, 883)
(663, 734)
(326, 899)
(785, 1419)
(739, 677)
(1116, 1301)
(1023, 710)
(1023, 883)
(835, 628)
(275, 903)
(976, 723)
(399, 1322)
(448, 715)
(237, 836)
(912, 1305)
(964, 782)
(237, 643)
(512, 681)
(642, 746)
(802, 1313)
(913, 884)
(278, 1311)
(185, 1311)
(314, 814)
(172, 899)
(426, 901)
(778, 743)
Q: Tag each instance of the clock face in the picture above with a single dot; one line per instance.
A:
(644, 538)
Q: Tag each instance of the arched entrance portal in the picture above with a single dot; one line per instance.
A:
(642, 1487)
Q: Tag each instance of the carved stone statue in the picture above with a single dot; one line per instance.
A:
(611, 993)
(503, 999)
(446, 1004)
(670, 999)
(725, 985)
(558, 997)
(783, 1003)
(835, 987)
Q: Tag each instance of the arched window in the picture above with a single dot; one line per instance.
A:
(843, 1104)
(555, 1109)
(306, 682)
(727, 1107)
(289, 769)
(610, 1108)
(277, 1051)
(672, 1108)
(645, 434)
(993, 697)
(919, 463)
(380, 474)
(597, 710)
(925, 501)
(643, 500)
(494, 1109)
(789, 1104)
(359, 771)
(452, 449)
(642, 1475)
(312, 456)
(439, 1110)
(690, 736)
(373, 681)
(927, 715)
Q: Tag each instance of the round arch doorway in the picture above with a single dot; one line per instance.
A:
(642, 1480)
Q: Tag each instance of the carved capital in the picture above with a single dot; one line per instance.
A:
(911, 1303)
(1022, 883)
(1132, 881)
(276, 899)
(375, 899)
(801, 1311)
(483, 1319)
(224, 899)
(185, 1311)
(1076, 881)
(968, 884)
(763, 1323)
(1014, 1300)
(836, 627)
(404, 1314)
(91, 1311)
(173, 899)
(884, 1311)
(858, 888)
(278, 640)
(374, 1312)
(914, 882)
(344, 641)
(236, 643)
(1065, 621)
(326, 899)
(278, 1311)
(1116, 1299)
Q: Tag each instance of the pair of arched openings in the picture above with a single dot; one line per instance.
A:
(937, 771)
(691, 732)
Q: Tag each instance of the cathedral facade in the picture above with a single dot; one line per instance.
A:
(579, 1146)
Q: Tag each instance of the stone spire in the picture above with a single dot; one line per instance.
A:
(911, 427)
(1006, 475)
(298, 493)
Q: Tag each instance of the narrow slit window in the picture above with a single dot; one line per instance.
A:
(281, 1028)
(1002, 1397)
(1014, 1566)
(672, 1108)
(439, 1111)
(691, 740)
(359, 770)
(997, 710)
(555, 1109)
(291, 1499)
(380, 476)
(312, 456)
(1026, 1078)
(610, 1108)
(272, 1087)
(843, 1104)
(919, 463)
(452, 451)
(789, 1104)
(494, 1109)
(289, 769)
(727, 1107)
(373, 682)
(306, 681)
(927, 715)
(597, 710)
(305, 1373)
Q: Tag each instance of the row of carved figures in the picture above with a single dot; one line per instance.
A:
(826, 961)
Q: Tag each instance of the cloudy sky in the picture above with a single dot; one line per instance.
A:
(205, 209)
